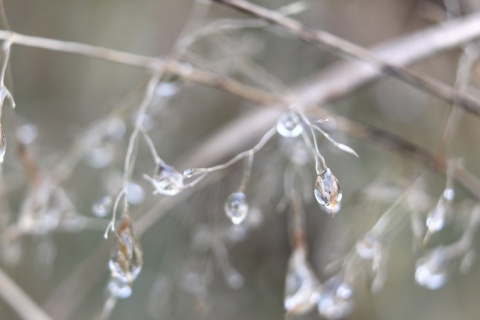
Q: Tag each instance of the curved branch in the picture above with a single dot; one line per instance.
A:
(342, 47)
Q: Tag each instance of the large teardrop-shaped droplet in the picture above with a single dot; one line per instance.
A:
(328, 192)
(236, 207)
(126, 260)
(289, 125)
(431, 270)
(302, 286)
(167, 180)
(335, 300)
(3, 143)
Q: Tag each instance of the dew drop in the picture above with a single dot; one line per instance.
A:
(119, 289)
(116, 129)
(234, 279)
(368, 247)
(27, 133)
(289, 125)
(431, 270)
(449, 194)
(167, 180)
(126, 259)
(236, 207)
(436, 218)
(328, 192)
(335, 300)
(168, 86)
(101, 207)
(101, 156)
(134, 193)
(301, 285)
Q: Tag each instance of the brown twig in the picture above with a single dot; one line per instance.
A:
(342, 47)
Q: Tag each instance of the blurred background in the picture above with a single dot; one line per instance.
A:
(196, 264)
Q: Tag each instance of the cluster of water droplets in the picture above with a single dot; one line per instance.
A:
(166, 180)
(126, 260)
(336, 299)
(236, 207)
(328, 192)
(431, 270)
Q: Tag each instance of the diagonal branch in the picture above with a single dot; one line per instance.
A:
(346, 48)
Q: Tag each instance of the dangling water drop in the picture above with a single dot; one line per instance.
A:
(335, 300)
(126, 260)
(289, 125)
(368, 247)
(301, 285)
(3, 143)
(167, 180)
(436, 217)
(101, 207)
(236, 207)
(119, 289)
(431, 270)
(328, 192)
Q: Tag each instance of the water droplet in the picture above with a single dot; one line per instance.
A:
(449, 194)
(3, 144)
(368, 247)
(126, 260)
(328, 192)
(335, 300)
(134, 193)
(431, 270)
(168, 86)
(27, 133)
(101, 156)
(436, 218)
(234, 279)
(119, 289)
(289, 125)
(236, 207)
(301, 285)
(101, 207)
(115, 129)
(166, 180)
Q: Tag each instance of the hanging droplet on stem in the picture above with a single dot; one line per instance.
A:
(301, 285)
(436, 217)
(126, 260)
(368, 247)
(328, 192)
(236, 207)
(289, 125)
(166, 180)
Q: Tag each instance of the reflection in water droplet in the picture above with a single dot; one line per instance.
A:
(335, 300)
(328, 192)
(101, 207)
(431, 270)
(289, 125)
(236, 207)
(166, 180)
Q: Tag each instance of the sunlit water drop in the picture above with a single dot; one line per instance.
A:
(436, 218)
(328, 192)
(126, 259)
(101, 156)
(27, 133)
(289, 125)
(448, 194)
(431, 270)
(134, 193)
(368, 247)
(236, 207)
(119, 289)
(101, 207)
(167, 180)
(335, 300)
(3, 144)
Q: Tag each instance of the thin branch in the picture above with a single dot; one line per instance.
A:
(19, 300)
(346, 48)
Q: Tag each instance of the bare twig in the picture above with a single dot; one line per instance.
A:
(19, 300)
(346, 48)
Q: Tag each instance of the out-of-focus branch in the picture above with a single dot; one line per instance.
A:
(16, 298)
(346, 48)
